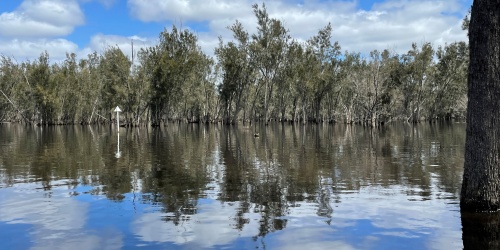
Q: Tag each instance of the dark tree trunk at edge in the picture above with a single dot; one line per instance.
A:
(481, 179)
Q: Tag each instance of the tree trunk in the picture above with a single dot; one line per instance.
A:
(481, 179)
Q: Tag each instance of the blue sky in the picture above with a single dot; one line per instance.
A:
(30, 27)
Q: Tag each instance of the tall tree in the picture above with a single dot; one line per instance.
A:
(89, 88)
(481, 179)
(176, 63)
(268, 49)
(44, 95)
(114, 69)
(234, 60)
(449, 95)
(328, 70)
(141, 89)
(10, 77)
(415, 77)
(378, 85)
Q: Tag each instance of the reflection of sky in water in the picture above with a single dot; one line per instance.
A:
(52, 219)
(210, 227)
(398, 216)
(373, 218)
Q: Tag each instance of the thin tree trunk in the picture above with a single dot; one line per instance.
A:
(18, 111)
(481, 179)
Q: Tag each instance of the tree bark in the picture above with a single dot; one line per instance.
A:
(481, 179)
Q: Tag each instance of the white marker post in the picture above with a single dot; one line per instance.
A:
(118, 110)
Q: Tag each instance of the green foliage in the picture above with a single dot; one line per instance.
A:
(450, 87)
(114, 73)
(178, 65)
(262, 76)
(267, 50)
(238, 73)
(9, 76)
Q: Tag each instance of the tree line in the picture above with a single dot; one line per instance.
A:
(264, 76)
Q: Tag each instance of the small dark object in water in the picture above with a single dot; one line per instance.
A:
(256, 134)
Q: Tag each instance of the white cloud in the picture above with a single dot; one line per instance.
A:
(23, 49)
(40, 25)
(101, 42)
(200, 10)
(30, 49)
(41, 18)
(388, 25)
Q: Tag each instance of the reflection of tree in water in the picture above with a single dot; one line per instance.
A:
(257, 176)
(178, 176)
(481, 230)
(45, 155)
(269, 176)
(237, 172)
(291, 165)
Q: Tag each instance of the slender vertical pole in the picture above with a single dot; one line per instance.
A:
(117, 121)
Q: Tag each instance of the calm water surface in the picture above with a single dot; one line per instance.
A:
(195, 187)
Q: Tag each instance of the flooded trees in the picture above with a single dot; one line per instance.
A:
(327, 72)
(114, 72)
(449, 90)
(234, 60)
(176, 63)
(268, 50)
(481, 179)
(10, 76)
(266, 75)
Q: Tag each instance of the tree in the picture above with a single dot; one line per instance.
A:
(238, 73)
(481, 179)
(328, 70)
(44, 88)
(114, 69)
(268, 51)
(415, 80)
(448, 91)
(378, 85)
(176, 64)
(70, 100)
(10, 77)
(141, 89)
(89, 88)
(352, 92)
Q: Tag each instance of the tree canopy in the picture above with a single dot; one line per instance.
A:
(264, 76)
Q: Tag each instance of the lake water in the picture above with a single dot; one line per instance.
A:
(189, 186)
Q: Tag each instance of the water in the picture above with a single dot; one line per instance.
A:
(192, 186)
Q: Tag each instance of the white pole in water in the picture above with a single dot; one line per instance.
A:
(118, 110)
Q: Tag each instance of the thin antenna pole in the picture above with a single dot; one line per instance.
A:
(132, 41)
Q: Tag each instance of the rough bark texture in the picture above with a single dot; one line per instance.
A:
(481, 179)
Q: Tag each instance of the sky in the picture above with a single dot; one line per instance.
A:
(30, 27)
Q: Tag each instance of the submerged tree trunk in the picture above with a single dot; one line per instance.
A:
(481, 230)
(481, 179)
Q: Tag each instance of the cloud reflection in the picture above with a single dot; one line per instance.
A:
(210, 227)
(402, 216)
(58, 221)
(310, 238)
